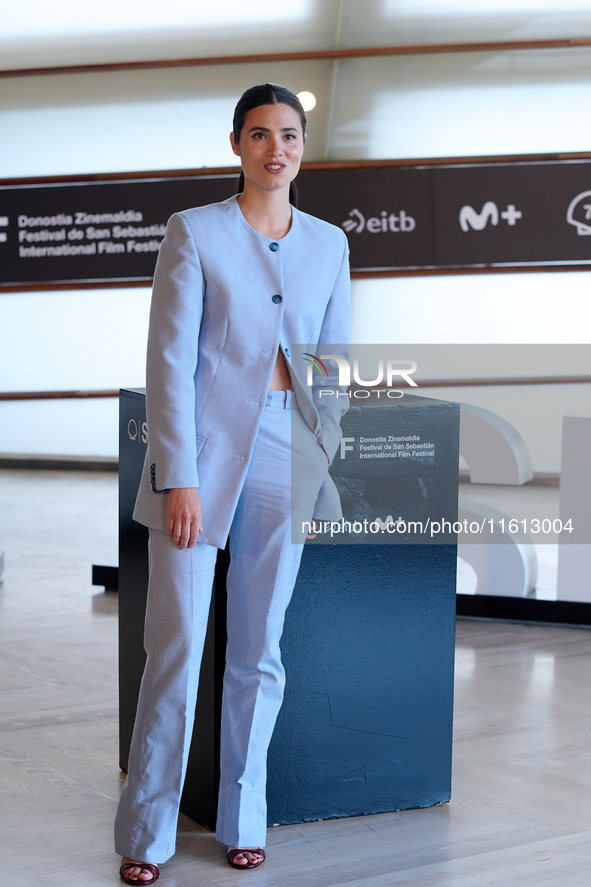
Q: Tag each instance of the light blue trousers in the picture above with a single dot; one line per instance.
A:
(261, 577)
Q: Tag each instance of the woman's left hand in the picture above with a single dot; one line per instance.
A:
(184, 516)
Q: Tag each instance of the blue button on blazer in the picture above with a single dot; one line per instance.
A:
(216, 323)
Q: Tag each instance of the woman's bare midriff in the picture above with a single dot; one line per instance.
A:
(280, 380)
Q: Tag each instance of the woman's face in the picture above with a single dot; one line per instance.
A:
(270, 147)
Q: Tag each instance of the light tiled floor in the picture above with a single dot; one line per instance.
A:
(521, 804)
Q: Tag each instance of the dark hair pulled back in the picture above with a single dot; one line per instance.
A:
(266, 94)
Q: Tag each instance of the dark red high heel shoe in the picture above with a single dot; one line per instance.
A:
(232, 854)
(149, 866)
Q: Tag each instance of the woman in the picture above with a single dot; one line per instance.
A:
(228, 420)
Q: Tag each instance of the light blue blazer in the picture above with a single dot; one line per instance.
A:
(225, 298)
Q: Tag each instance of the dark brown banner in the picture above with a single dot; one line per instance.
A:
(437, 217)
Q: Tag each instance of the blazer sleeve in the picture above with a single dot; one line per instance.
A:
(175, 320)
(335, 333)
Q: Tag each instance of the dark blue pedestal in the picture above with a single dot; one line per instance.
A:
(368, 647)
(366, 725)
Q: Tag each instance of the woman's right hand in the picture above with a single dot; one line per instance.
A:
(184, 516)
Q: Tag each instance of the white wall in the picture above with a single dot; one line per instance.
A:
(545, 308)
(117, 121)
(95, 339)
(62, 341)
(469, 104)
(523, 307)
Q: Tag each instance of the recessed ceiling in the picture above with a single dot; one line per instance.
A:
(36, 33)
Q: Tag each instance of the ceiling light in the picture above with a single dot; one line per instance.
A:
(308, 100)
